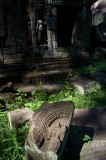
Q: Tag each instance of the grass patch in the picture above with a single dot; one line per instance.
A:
(11, 148)
(92, 98)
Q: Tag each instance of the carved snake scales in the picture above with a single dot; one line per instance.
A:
(44, 117)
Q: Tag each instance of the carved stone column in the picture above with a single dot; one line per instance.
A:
(87, 24)
(2, 31)
(2, 25)
(33, 25)
(76, 39)
(51, 29)
(82, 28)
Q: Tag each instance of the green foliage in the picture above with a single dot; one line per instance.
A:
(17, 101)
(63, 95)
(87, 139)
(93, 98)
(20, 98)
(80, 135)
(37, 98)
(90, 99)
(94, 66)
(11, 147)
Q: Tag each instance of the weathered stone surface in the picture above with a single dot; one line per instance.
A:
(99, 20)
(99, 53)
(82, 84)
(99, 4)
(25, 87)
(49, 128)
(55, 75)
(96, 150)
(1, 57)
(31, 88)
(90, 122)
(37, 154)
(101, 32)
(19, 116)
(12, 58)
(92, 117)
(6, 87)
(73, 2)
(3, 96)
(99, 77)
(99, 7)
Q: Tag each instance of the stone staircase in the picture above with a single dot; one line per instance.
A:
(49, 70)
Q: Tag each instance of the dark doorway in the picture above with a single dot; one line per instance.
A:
(66, 16)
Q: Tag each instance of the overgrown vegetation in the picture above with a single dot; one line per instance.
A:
(95, 96)
(13, 149)
(93, 66)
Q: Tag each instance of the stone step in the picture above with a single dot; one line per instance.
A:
(44, 70)
(31, 74)
(46, 76)
(54, 63)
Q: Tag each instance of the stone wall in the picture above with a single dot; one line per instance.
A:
(15, 28)
(18, 21)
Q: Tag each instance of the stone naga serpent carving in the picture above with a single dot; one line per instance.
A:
(48, 126)
(55, 135)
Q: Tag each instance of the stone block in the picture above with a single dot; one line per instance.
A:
(49, 131)
(83, 85)
(99, 77)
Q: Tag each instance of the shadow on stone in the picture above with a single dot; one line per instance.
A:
(76, 141)
(92, 117)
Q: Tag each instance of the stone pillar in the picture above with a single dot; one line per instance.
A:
(77, 32)
(51, 29)
(82, 28)
(2, 25)
(2, 31)
(15, 27)
(87, 24)
(30, 35)
(33, 25)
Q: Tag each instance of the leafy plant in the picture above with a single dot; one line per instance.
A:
(94, 66)
(17, 101)
(87, 139)
(11, 148)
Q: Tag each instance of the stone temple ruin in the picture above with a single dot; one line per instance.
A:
(65, 23)
(33, 32)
